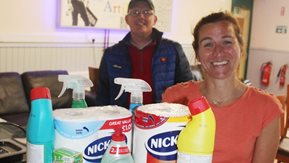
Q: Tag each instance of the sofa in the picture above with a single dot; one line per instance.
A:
(15, 93)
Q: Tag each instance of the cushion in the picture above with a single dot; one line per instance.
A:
(49, 79)
(12, 95)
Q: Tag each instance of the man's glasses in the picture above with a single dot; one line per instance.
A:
(136, 13)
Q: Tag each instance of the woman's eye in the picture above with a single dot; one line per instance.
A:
(227, 42)
(208, 45)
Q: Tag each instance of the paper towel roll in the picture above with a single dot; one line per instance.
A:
(89, 130)
(156, 129)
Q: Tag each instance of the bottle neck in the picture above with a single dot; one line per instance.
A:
(78, 103)
(78, 95)
(204, 116)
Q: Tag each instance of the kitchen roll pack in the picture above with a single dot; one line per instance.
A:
(156, 130)
(88, 131)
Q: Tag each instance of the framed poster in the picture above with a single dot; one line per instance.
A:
(108, 14)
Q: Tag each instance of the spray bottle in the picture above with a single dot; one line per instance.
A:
(77, 84)
(117, 151)
(135, 87)
(196, 141)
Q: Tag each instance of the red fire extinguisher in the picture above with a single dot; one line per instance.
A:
(265, 73)
(282, 75)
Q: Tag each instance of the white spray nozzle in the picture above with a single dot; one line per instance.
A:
(134, 86)
(75, 82)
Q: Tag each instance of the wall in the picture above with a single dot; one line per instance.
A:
(259, 56)
(267, 44)
(33, 22)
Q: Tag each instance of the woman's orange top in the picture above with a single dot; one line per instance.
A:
(238, 124)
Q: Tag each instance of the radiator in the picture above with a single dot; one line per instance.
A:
(29, 57)
(75, 58)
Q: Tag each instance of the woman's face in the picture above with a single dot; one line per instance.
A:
(219, 50)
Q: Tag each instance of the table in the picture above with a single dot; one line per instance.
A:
(12, 143)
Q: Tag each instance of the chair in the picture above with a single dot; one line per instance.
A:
(13, 102)
(90, 97)
(48, 78)
(283, 150)
(93, 74)
(197, 72)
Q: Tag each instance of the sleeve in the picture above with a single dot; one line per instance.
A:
(183, 70)
(175, 94)
(273, 111)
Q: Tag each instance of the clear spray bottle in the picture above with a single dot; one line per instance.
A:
(117, 151)
(77, 84)
(135, 87)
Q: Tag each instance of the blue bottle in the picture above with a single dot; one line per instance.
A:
(40, 127)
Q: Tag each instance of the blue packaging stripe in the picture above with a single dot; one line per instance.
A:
(77, 130)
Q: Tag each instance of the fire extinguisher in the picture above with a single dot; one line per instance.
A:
(265, 73)
(282, 75)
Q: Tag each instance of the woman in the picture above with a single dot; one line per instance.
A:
(247, 119)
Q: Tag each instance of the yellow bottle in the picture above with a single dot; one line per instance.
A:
(196, 141)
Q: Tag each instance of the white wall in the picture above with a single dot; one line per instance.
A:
(32, 24)
(266, 44)
(259, 56)
(267, 15)
(35, 21)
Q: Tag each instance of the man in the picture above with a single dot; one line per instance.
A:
(142, 54)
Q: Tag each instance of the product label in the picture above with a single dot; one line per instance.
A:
(94, 151)
(148, 121)
(155, 137)
(124, 123)
(76, 130)
(35, 153)
(63, 155)
(185, 158)
(163, 146)
(91, 138)
(119, 150)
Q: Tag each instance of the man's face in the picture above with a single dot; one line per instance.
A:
(141, 19)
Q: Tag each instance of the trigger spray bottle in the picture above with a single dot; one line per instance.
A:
(77, 84)
(135, 87)
(196, 141)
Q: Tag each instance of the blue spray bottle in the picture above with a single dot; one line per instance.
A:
(135, 87)
(40, 127)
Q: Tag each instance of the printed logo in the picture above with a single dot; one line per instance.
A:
(163, 59)
(148, 121)
(119, 150)
(163, 146)
(95, 150)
